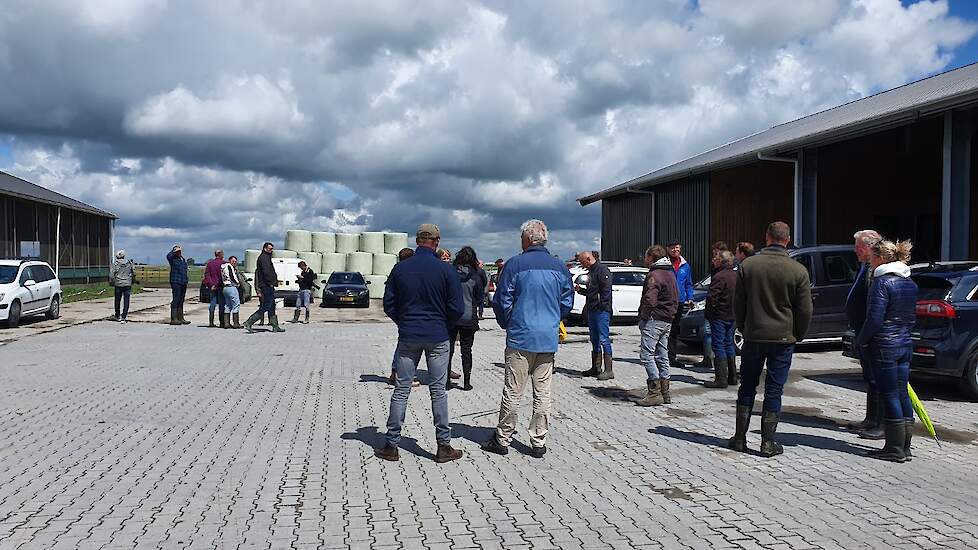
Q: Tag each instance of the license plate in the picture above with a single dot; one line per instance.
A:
(346, 298)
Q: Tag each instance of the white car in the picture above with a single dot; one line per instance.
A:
(626, 290)
(28, 287)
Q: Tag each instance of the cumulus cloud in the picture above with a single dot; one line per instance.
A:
(226, 124)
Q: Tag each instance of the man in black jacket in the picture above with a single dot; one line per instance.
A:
(872, 425)
(265, 280)
(598, 310)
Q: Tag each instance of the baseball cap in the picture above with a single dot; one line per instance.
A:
(428, 231)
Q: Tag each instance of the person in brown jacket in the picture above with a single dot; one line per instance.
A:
(720, 315)
(660, 300)
(773, 307)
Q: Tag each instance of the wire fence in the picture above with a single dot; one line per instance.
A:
(159, 276)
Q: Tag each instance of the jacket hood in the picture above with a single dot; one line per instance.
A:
(663, 263)
(893, 268)
(464, 271)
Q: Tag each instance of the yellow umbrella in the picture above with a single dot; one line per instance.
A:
(562, 332)
(922, 414)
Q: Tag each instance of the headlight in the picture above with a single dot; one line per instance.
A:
(364, 292)
(697, 306)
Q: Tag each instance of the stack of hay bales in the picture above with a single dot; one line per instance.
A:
(372, 253)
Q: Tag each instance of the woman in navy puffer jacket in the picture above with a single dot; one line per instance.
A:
(890, 314)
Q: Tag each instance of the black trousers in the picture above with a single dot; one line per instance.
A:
(466, 337)
(674, 333)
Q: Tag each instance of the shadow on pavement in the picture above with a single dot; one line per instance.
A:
(568, 372)
(786, 439)
(374, 378)
(481, 434)
(616, 393)
(369, 436)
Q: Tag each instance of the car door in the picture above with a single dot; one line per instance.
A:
(33, 294)
(836, 272)
(48, 283)
(626, 288)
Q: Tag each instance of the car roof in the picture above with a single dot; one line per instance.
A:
(627, 268)
(945, 269)
(821, 248)
(10, 261)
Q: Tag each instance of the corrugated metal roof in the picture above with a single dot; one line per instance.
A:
(892, 107)
(14, 186)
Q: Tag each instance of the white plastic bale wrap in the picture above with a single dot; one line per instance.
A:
(384, 263)
(299, 240)
(394, 242)
(323, 242)
(314, 259)
(376, 286)
(362, 262)
(372, 242)
(251, 260)
(281, 253)
(333, 261)
(347, 242)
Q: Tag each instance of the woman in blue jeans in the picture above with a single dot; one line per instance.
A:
(890, 314)
(720, 314)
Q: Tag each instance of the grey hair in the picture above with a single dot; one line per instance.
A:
(120, 254)
(726, 258)
(534, 230)
(868, 237)
(218, 252)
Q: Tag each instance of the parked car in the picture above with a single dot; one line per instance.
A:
(945, 337)
(626, 288)
(346, 288)
(28, 287)
(831, 268)
(245, 291)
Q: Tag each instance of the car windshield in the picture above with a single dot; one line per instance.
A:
(7, 273)
(345, 279)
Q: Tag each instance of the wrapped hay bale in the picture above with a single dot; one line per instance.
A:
(282, 253)
(314, 259)
(251, 260)
(394, 242)
(299, 240)
(347, 242)
(372, 242)
(333, 261)
(376, 286)
(383, 264)
(323, 242)
(360, 261)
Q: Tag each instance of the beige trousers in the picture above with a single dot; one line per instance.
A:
(520, 365)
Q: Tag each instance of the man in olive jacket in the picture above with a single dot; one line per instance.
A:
(773, 307)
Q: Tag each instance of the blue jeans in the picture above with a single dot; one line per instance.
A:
(122, 294)
(599, 327)
(232, 300)
(179, 294)
(406, 359)
(303, 299)
(723, 338)
(217, 300)
(753, 357)
(706, 331)
(892, 372)
(267, 300)
(654, 349)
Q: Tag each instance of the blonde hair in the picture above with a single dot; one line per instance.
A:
(890, 251)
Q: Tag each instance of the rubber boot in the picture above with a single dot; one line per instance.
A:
(595, 365)
(210, 319)
(895, 430)
(719, 374)
(733, 379)
(875, 432)
(654, 397)
(664, 389)
(307, 317)
(174, 318)
(273, 320)
(183, 320)
(870, 419)
(739, 441)
(295, 318)
(235, 320)
(907, 438)
(608, 373)
(769, 426)
(251, 321)
(226, 320)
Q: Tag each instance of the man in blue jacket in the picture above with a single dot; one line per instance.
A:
(178, 284)
(533, 293)
(872, 425)
(423, 297)
(684, 280)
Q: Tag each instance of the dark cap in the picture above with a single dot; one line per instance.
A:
(673, 242)
(428, 231)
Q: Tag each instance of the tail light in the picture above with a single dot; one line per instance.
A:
(936, 308)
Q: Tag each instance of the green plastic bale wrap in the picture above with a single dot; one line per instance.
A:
(362, 262)
(372, 242)
(376, 286)
(383, 264)
(347, 242)
(333, 261)
(323, 242)
(281, 253)
(299, 240)
(314, 259)
(394, 242)
(251, 260)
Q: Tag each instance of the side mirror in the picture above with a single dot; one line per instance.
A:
(30, 282)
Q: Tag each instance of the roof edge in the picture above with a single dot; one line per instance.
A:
(91, 209)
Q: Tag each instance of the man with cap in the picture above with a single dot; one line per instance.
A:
(423, 297)
(684, 280)
(598, 308)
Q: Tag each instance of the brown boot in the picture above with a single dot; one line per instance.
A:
(595, 365)
(226, 320)
(236, 320)
(654, 396)
(664, 389)
(446, 453)
(608, 373)
(388, 452)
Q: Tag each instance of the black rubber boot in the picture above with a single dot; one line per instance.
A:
(608, 373)
(183, 320)
(739, 441)
(719, 374)
(210, 319)
(664, 388)
(295, 318)
(307, 317)
(235, 320)
(595, 365)
(273, 321)
(769, 427)
(896, 437)
(174, 318)
(251, 321)
(875, 432)
(654, 397)
(907, 438)
(870, 419)
(226, 320)
(733, 378)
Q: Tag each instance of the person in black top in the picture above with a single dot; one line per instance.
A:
(598, 309)
(265, 280)
(307, 281)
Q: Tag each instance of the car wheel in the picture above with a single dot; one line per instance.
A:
(738, 341)
(54, 311)
(970, 378)
(13, 316)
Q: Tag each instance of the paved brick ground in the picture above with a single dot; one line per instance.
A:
(145, 435)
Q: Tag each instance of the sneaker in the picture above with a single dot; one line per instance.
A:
(538, 452)
(492, 445)
(123, 320)
(388, 452)
(447, 453)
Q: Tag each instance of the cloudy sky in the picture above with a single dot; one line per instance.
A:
(226, 123)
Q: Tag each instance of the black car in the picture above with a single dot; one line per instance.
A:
(832, 270)
(346, 288)
(945, 337)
